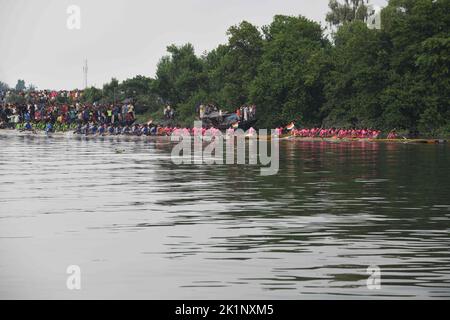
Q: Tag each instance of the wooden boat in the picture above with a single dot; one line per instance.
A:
(70, 134)
(26, 133)
(410, 141)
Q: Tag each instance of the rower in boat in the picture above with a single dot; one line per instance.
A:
(290, 127)
(186, 132)
(153, 130)
(230, 132)
(136, 130)
(102, 130)
(94, 129)
(126, 130)
(78, 129)
(278, 132)
(110, 130)
(145, 130)
(392, 135)
(86, 129)
(251, 132)
(27, 127)
(197, 132)
(374, 134)
(48, 128)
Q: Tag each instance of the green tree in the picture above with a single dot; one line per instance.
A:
(357, 77)
(179, 75)
(3, 86)
(233, 67)
(111, 92)
(347, 11)
(431, 120)
(418, 87)
(141, 90)
(289, 86)
(20, 86)
(91, 95)
(138, 85)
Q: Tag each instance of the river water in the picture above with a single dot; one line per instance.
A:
(139, 226)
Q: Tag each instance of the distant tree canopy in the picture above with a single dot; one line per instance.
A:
(396, 77)
(20, 86)
(346, 11)
(140, 90)
(3, 86)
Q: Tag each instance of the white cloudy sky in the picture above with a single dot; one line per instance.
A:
(120, 38)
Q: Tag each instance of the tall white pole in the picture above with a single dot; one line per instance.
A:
(85, 73)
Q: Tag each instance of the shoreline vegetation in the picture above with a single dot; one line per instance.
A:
(295, 70)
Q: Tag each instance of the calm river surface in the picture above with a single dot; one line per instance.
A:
(141, 227)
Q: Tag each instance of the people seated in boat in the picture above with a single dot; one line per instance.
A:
(145, 130)
(86, 129)
(196, 131)
(27, 117)
(78, 129)
(337, 133)
(392, 135)
(94, 128)
(374, 134)
(212, 132)
(102, 129)
(137, 130)
(185, 132)
(290, 127)
(48, 127)
(126, 130)
(111, 130)
(278, 131)
(28, 126)
(116, 129)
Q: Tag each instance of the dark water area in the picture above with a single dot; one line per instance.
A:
(142, 227)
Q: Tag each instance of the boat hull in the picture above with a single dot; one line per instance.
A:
(8, 132)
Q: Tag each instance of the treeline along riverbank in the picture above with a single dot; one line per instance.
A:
(341, 75)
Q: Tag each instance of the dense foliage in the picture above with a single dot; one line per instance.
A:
(293, 69)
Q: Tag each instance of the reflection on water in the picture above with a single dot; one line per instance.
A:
(141, 227)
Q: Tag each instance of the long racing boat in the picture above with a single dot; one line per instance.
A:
(71, 134)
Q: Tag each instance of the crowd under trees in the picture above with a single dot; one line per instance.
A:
(294, 69)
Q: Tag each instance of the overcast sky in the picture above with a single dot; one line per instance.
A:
(121, 38)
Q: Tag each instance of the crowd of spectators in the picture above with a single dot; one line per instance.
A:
(62, 108)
